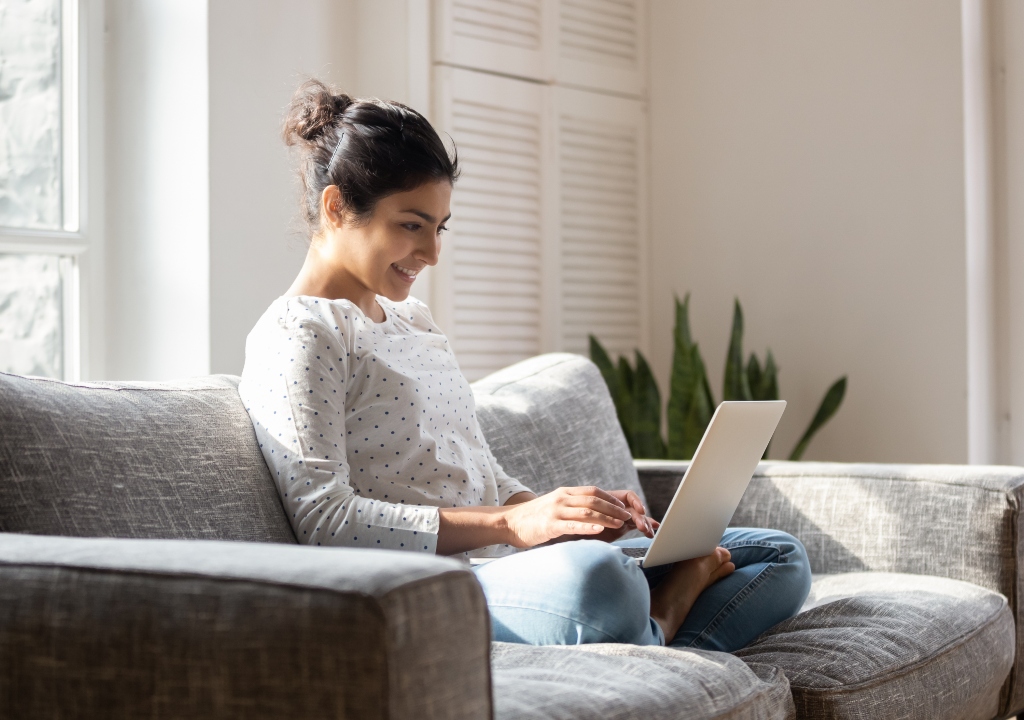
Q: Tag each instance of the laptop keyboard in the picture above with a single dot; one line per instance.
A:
(634, 552)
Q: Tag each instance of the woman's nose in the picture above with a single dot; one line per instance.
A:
(431, 250)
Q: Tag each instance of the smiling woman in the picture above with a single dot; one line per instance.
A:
(369, 425)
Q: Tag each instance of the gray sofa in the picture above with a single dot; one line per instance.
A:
(147, 570)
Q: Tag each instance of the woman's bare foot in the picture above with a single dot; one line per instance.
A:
(675, 595)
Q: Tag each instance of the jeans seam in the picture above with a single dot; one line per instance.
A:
(739, 597)
(730, 607)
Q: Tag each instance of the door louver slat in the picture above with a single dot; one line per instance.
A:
(600, 270)
(496, 250)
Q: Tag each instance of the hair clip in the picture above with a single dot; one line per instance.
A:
(334, 155)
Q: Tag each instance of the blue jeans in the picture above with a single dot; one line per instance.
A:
(587, 591)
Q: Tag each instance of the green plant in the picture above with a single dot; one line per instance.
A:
(690, 402)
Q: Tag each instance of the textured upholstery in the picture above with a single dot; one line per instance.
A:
(97, 628)
(129, 628)
(550, 422)
(628, 682)
(167, 460)
(959, 522)
(882, 645)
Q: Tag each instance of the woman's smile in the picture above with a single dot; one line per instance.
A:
(405, 274)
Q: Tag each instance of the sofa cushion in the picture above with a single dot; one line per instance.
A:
(550, 422)
(155, 460)
(886, 645)
(629, 682)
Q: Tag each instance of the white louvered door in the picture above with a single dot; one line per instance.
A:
(602, 194)
(601, 45)
(548, 241)
(512, 37)
(491, 289)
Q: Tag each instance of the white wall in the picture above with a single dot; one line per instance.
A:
(1008, 114)
(202, 196)
(808, 158)
(157, 224)
(260, 51)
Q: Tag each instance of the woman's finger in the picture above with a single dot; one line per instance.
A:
(639, 513)
(573, 527)
(589, 515)
(602, 506)
(594, 491)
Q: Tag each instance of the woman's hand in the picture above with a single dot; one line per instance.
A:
(638, 518)
(575, 511)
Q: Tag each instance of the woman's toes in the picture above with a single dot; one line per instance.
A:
(724, 569)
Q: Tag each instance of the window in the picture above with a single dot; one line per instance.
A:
(41, 233)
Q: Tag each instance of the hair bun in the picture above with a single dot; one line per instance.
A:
(314, 109)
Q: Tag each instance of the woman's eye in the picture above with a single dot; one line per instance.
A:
(412, 227)
(442, 229)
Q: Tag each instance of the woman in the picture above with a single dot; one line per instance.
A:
(369, 427)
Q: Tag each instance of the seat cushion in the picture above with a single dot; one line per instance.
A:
(630, 682)
(150, 460)
(887, 645)
(551, 422)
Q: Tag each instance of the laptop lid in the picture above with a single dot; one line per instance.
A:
(715, 481)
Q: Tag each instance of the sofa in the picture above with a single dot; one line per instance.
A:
(148, 570)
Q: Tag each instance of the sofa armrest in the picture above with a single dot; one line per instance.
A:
(956, 521)
(207, 629)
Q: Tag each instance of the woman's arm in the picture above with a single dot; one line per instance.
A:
(527, 520)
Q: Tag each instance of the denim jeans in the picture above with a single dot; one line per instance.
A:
(587, 591)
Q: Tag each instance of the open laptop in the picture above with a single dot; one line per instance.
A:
(711, 488)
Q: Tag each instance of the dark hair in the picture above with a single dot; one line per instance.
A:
(369, 148)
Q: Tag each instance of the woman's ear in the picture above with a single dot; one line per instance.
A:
(331, 209)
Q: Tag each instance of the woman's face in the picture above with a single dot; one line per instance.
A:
(402, 236)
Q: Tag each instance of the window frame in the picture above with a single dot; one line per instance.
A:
(81, 216)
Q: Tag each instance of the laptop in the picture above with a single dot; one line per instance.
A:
(714, 483)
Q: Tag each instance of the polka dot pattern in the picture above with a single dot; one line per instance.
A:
(368, 428)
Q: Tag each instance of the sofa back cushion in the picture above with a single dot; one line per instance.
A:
(550, 422)
(153, 460)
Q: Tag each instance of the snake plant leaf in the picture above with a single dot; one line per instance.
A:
(682, 328)
(699, 415)
(625, 400)
(736, 385)
(625, 378)
(612, 378)
(754, 375)
(682, 381)
(604, 363)
(646, 405)
(766, 386)
(709, 398)
(764, 382)
(770, 379)
(829, 404)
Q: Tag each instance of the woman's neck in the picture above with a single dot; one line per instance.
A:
(319, 278)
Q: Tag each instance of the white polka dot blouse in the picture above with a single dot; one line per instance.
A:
(368, 428)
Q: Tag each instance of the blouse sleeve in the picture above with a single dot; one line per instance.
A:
(297, 405)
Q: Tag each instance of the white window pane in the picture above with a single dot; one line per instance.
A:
(30, 114)
(31, 315)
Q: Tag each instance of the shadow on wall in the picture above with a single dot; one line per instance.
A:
(771, 508)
